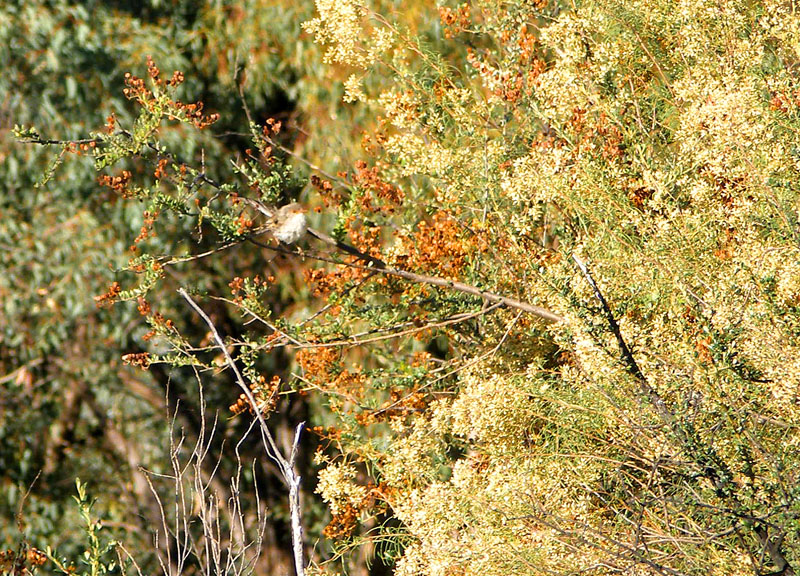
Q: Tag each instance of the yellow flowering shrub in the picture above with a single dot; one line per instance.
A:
(631, 166)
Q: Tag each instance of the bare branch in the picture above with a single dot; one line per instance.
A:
(630, 362)
(379, 266)
(290, 477)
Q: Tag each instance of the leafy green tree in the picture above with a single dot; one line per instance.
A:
(68, 405)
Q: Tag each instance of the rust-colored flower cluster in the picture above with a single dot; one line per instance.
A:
(345, 521)
(785, 102)
(143, 306)
(82, 147)
(107, 300)
(155, 74)
(369, 180)
(136, 89)
(194, 113)
(140, 360)
(601, 130)
(367, 240)
(243, 224)
(147, 231)
(697, 336)
(323, 282)
(273, 126)
(265, 394)
(111, 123)
(511, 85)
(236, 285)
(546, 141)
(436, 246)
(343, 524)
(373, 142)
(322, 367)
(351, 382)
(161, 169)
(639, 196)
(727, 244)
(318, 363)
(157, 320)
(323, 186)
(20, 563)
(242, 288)
(326, 192)
(401, 402)
(118, 184)
(454, 21)
(331, 433)
(511, 81)
(527, 44)
(529, 56)
(36, 557)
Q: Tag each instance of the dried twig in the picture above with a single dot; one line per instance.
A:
(286, 466)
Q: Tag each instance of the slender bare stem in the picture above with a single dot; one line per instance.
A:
(286, 466)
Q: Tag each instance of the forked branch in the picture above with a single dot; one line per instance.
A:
(286, 466)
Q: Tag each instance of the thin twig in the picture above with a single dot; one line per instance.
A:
(255, 316)
(278, 145)
(290, 477)
(469, 364)
(181, 259)
(354, 340)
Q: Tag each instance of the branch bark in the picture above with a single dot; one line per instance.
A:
(627, 355)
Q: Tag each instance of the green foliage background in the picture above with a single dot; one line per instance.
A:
(66, 398)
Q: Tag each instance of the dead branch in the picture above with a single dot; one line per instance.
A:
(286, 466)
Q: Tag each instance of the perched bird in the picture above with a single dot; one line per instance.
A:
(287, 224)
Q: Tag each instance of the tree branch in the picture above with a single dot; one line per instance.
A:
(379, 266)
(290, 477)
(627, 355)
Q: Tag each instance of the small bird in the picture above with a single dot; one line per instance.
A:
(287, 224)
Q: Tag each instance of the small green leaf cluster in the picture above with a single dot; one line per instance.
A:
(97, 558)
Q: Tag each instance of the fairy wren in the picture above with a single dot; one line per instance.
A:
(287, 224)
